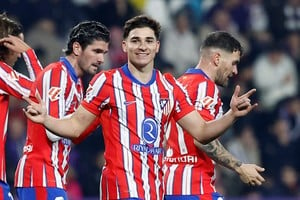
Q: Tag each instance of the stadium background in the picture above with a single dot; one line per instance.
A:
(269, 31)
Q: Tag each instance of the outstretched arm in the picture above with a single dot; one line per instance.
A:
(249, 173)
(204, 132)
(69, 127)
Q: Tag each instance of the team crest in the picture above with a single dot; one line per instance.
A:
(54, 93)
(165, 105)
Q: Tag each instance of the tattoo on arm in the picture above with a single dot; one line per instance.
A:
(217, 152)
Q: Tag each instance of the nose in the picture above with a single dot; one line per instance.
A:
(142, 45)
(101, 58)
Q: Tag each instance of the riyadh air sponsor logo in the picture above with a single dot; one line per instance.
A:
(147, 149)
(13, 75)
(207, 102)
(149, 130)
(150, 135)
(54, 93)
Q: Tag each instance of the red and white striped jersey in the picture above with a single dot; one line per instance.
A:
(17, 85)
(134, 118)
(189, 171)
(46, 156)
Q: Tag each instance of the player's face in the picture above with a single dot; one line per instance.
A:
(90, 59)
(141, 47)
(12, 56)
(227, 67)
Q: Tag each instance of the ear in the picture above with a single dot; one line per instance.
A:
(76, 48)
(216, 58)
(124, 46)
(157, 47)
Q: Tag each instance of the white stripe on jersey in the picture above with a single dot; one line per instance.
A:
(181, 141)
(158, 114)
(201, 93)
(29, 66)
(170, 181)
(90, 94)
(46, 99)
(124, 134)
(55, 163)
(187, 179)
(136, 88)
(14, 84)
(216, 92)
(44, 176)
(21, 170)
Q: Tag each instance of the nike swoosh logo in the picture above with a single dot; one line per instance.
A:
(127, 103)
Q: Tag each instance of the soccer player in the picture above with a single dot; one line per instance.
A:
(41, 171)
(135, 103)
(190, 172)
(12, 83)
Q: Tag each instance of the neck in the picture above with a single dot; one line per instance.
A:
(207, 68)
(142, 74)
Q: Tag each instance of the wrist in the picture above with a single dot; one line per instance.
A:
(237, 166)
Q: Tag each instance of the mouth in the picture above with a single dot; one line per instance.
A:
(96, 66)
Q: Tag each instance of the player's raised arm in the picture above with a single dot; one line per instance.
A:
(205, 132)
(70, 127)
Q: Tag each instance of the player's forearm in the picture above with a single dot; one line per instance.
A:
(216, 151)
(63, 127)
(215, 128)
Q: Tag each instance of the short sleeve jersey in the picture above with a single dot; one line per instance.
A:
(45, 160)
(17, 85)
(190, 171)
(134, 118)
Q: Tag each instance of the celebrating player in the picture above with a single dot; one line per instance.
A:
(135, 103)
(41, 172)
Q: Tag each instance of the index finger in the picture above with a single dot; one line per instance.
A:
(249, 93)
(236, 91)
(28, 100)
(38, 96)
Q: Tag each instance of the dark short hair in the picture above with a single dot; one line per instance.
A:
(222, 40)
(8, 26)
(85, 33)
(142, 21)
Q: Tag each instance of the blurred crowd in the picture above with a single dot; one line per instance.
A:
(269, 32)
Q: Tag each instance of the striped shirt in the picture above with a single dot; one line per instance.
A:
(189, 171)
(17, 85)
(45, 160)
(134, 118)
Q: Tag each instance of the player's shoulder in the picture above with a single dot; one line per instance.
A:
(5, 67)
(57, 66)
(168, 76)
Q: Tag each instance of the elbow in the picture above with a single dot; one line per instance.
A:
(202, 140)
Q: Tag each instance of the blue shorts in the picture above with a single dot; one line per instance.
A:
(5, 191)
(41, 193)
(211, 196)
